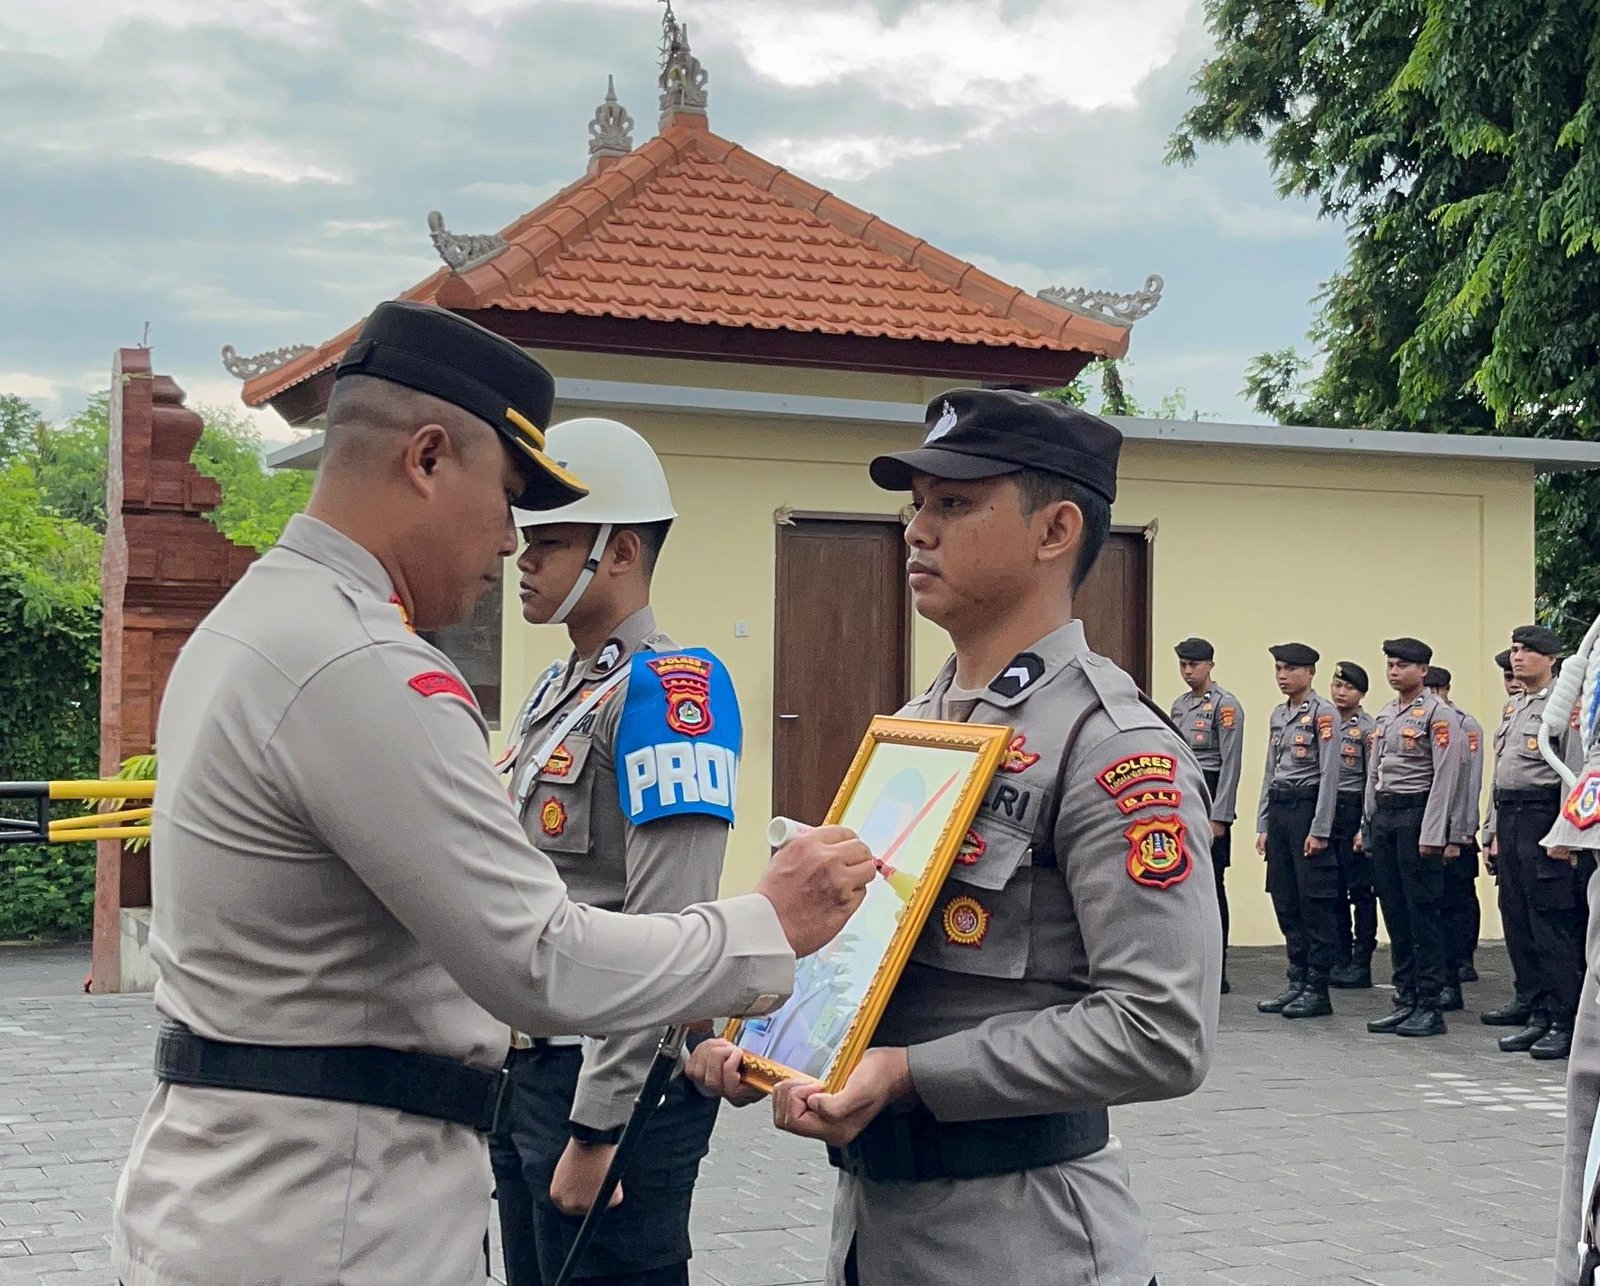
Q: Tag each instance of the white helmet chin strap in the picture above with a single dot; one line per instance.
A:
(590, 567)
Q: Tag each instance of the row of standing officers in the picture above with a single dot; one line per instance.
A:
(1360, 810)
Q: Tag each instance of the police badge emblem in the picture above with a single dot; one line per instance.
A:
(1582, 808)
(553, 817)
(966, 922)
(687, 680)
(946, 422)
(1158, 858)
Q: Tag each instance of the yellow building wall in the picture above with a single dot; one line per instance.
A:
(1252, 547)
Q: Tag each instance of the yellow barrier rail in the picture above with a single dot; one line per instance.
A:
(118, 824)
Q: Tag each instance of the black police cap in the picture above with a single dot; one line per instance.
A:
(1195, 649)
(1436, 677)
(983, 433)
(1351, 673)
(1536, 638)
(1295, 654)
(1503, 660)
(436, 352)
(1414, 651)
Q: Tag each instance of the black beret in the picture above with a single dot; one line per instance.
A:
(1436, 677)
(449, 357)
(1537, 639)
(1195, 649)
(1503, 660)
(983, 433)
(1413, 650)
(1351, 673)
(1295, 654)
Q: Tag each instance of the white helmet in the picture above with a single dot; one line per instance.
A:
(625, 479)
(626, 484)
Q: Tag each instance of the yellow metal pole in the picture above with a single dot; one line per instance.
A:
(103, 819)
(104, 789)
(87, 834)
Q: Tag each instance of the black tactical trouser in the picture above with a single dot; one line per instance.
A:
(1411, 889)
(1358, 902)
(1305, 890)
(1460, 911)
(1542, 906)
(1221, 857)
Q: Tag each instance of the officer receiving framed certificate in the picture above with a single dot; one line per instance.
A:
(911, 794)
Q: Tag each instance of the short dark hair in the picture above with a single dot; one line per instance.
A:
(1039, 489)
(652, 536)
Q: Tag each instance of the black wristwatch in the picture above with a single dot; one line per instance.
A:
(590, 1137)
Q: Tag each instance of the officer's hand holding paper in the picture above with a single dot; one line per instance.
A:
(815, 882)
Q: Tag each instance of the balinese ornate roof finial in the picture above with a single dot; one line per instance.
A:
(461, 252)
(683, 79)
(247, 368)
(611, 130)
(1103, 305)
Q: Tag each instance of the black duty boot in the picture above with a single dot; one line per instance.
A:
(1467, 973)
(1313, 1002)
(1427, 1019)
(1297, 984)
(1523, 1041)
(1516, 1014)
(1555, 1043)
(1357, 975)
(1450, 997)
(1391, 1022)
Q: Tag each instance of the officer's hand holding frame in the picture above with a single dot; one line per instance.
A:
(911, 794)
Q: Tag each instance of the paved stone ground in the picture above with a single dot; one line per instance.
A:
(1314, 1153)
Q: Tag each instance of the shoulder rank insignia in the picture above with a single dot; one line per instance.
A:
(552, 817)
(1582, 808)
(606, 660)
(1017, 757)
(1158, 857)
(1136, 769)
(966, 921)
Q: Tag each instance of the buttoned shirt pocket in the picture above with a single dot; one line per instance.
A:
(980, 920)
(558, 814)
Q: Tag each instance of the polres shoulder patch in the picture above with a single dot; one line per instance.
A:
(679, 737)
(438, 683)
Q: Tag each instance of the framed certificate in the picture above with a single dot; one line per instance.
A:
(910, 794)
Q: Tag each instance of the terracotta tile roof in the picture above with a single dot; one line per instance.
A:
(692, 228)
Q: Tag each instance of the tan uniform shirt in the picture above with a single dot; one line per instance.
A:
(1416, 750)
(1518, 762)
(1036, 990)
(334, 861)
(1301, 752)
(572, 811)
(1213, 728)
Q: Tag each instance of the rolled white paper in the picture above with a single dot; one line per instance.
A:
(781, 830)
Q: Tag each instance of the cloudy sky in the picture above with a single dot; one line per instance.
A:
(259, 173)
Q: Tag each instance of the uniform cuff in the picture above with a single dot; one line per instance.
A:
(940, 1071)
(599, 1110)
(756, 934)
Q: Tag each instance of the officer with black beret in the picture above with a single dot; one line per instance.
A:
(1507, 676)
(1460, 911)
(1212, 723)
(1411, 798)
(1294, 828)
(1358, 911)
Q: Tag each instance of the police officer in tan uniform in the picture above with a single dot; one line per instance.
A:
(1358, 911)
(581, 747)
(1459, 912)
(1075, 962)
(1212, 723)
(1411, 801)
(347, 914)
(1294, 829)
(1541, 901)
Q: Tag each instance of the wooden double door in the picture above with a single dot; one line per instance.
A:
(843, 641)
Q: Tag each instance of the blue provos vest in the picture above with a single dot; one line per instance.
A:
(679, 737)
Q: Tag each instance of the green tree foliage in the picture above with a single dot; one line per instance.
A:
(1457, 142)
(1114, 398)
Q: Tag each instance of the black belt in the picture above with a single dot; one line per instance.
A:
(912, 1147)
(422, 1084)
(1402, 799)
(1543, 795)
(1291, 794)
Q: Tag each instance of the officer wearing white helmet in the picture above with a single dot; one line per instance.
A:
(623, 765)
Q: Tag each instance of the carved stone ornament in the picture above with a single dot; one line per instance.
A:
(1104, 305)
(247, 368)
(460, 252)
(683, 79)
(611, 130)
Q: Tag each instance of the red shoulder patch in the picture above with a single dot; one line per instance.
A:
(1155, 797)
(1017, 757)
(436, 683)
(1472, 741)
(1133, 770)
(1441, 733)
(1158, 857)
(1230, 716)
(1582, 807)
(1325, 726)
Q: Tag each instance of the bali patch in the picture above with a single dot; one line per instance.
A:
(1017, 758)
(966, 921)
(552, 817)
(436, 683)
(972, 848)
(1158, 857)
(1155, 797)
(1582, 808)
(1136, 770)
(687, 680)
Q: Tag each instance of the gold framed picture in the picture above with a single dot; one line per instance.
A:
(911, 793)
